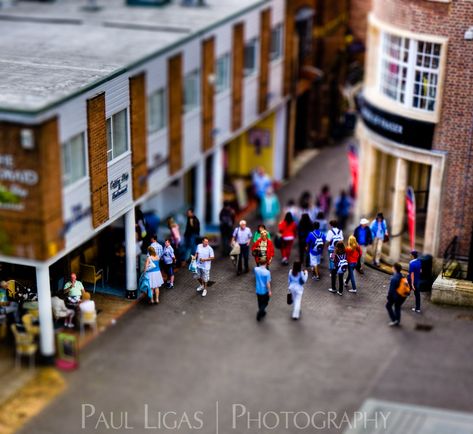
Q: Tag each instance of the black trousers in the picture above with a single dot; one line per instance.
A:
(333, 275)
(263, 301)
(417, 296)
(393, 306)
(244, 255)
(226, 236)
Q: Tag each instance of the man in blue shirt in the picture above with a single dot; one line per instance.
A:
(415, 268)
(263, 288)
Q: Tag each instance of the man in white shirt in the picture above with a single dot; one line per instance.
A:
(242, 235)
(204, 255)
(158, 248)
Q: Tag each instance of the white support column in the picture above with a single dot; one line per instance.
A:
(217, 184)
(365, 202)
(130, 250)
(399, 205)
(432, 229)
(46, 337)
(200, 193)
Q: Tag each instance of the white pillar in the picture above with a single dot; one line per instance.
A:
(46, 337)
(367, 180)
(217, 184)
(432, 230)
(399, 206)
(130, 250)
(200, 193)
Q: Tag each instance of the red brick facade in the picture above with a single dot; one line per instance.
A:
(454, 132)
(359, 10)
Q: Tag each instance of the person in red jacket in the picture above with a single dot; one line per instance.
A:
(263, 249)
(288, 232)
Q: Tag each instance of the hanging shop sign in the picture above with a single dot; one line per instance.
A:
(260, 138)
(15, 183)
(400, 129)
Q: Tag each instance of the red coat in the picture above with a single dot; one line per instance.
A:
(288, 230)
(269, 249)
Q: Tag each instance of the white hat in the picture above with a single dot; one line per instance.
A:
(364, 221)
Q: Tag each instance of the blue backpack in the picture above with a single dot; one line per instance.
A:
(317, 245)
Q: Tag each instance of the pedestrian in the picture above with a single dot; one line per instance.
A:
(396, 295)
(340, 267)
(334, 235)
(191, 234)
(306, 205)
(354, 255)
(263, 289)
(413, 276)
(263, 249)
(324, 200)
(169, 259)
(292, 208)
(242, 235)
(204, 256)
(322, 222)
(296, 279)
(364, 238)
(304, 228)
(261, 183)
(151, 268)
(343, 206)
(270, 207)
(315, 245)
(158, 248)
(287, 231)
(379, 232)
(227, 223)
(257, 234)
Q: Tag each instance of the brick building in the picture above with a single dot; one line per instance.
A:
(106, 109)
(416, 121)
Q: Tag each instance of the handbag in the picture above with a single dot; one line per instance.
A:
(235, 249)
(386, 238)
(289, 297)
(277, 241)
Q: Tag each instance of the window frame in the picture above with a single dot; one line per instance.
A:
(84, 153)
(228, 79)
(164, 118)
(187, 108)
(277, 29)
(127, 135)
(251, 72)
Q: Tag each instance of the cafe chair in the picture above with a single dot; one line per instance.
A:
(24, 346)
(30, 328)
(90, 319)
(90, 274)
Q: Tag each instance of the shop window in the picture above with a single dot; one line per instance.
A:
(409, 71)
(117, 135)
(156, 111)
(222, 73)
(191, 91)
(250, 57)
(276, 42)
(74, 160)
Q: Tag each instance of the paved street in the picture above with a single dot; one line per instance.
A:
(193, 354)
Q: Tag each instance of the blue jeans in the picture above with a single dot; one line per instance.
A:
(190, 246)
(351, 274)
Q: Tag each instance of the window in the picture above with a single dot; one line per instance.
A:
(222, 73)
(191, 91)
(74, 160)
(409, 71)
(250, 58)
(117, 135)
(156, 111)
(276, 42)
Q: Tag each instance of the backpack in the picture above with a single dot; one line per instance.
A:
(404, 289)
(317, 244)
(337, 236)
(342, 264)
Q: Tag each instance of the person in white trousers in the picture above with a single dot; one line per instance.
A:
(296, 280)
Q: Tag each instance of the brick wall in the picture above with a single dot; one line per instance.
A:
(454, 132)
(34, 229)
(97, 141)
(358, 13)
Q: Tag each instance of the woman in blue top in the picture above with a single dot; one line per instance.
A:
(153, 273)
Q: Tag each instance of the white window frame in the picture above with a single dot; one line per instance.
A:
(410, 52)
(276, 31)
(249, 72)
(226, 82)
(195, 105)
(66, 150)
(157, 123)
(110, 136)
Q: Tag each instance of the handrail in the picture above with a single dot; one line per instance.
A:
(450, 256)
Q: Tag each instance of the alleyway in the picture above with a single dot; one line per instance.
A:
(209, 354)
